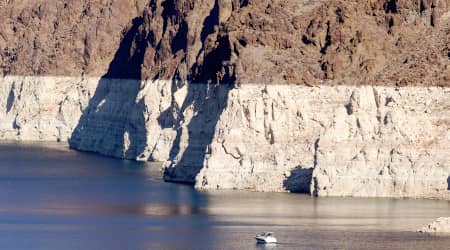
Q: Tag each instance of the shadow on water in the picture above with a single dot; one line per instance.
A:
(109, 114)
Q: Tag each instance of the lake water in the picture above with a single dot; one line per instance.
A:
(52, 197)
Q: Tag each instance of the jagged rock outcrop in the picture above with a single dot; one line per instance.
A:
(326, 97)
(441, 225)
(381, 42)
(62, 38)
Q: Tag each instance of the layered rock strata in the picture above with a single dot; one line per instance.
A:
(42, 108)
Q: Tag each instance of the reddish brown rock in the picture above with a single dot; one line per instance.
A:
(382, 42)
(66, 38)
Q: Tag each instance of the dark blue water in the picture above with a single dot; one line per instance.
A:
(55, 198)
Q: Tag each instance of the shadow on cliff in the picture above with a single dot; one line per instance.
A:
(10, 100)
(206, 102)
(207, 97)
(113, 123)
(112, 118)
(299, 180)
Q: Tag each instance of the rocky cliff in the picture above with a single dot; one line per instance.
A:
(324, 97)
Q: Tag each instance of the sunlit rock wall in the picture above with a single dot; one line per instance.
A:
(323, 140)
(332, 141)
(42, 108)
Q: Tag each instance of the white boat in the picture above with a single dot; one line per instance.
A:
(266, 237)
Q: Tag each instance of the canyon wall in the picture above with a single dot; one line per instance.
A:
(42, 108)
(331, 98)
(323, 140)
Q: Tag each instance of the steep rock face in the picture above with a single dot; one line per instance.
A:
(62, 38)
(386, 142)
(332, 141)
(325, 140)
(381, 42)
(326, 97)
(42, 108)
(302, 42)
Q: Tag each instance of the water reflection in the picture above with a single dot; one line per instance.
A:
(325, 213)
(52, 196)
(137, 210)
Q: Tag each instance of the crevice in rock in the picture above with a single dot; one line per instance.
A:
(315, 187)
(306, 41)
(349, 108)
(390, 6)
(316, 148)
(421, 7)
(243, 3)
(327, 43)
(339, 15)
(448, 183)
(229, 153)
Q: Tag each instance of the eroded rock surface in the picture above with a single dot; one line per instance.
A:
(42, 108)
(381, 42)
(62, 38)
(359, 141)
(324, 140)
(441, 225)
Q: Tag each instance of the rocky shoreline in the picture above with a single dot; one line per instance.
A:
(439, 226)
(370, 141)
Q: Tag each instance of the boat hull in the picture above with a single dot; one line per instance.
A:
(265, 240)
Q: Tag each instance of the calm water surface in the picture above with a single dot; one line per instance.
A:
(55, 198)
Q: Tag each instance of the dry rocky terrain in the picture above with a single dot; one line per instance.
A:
(381, 42)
